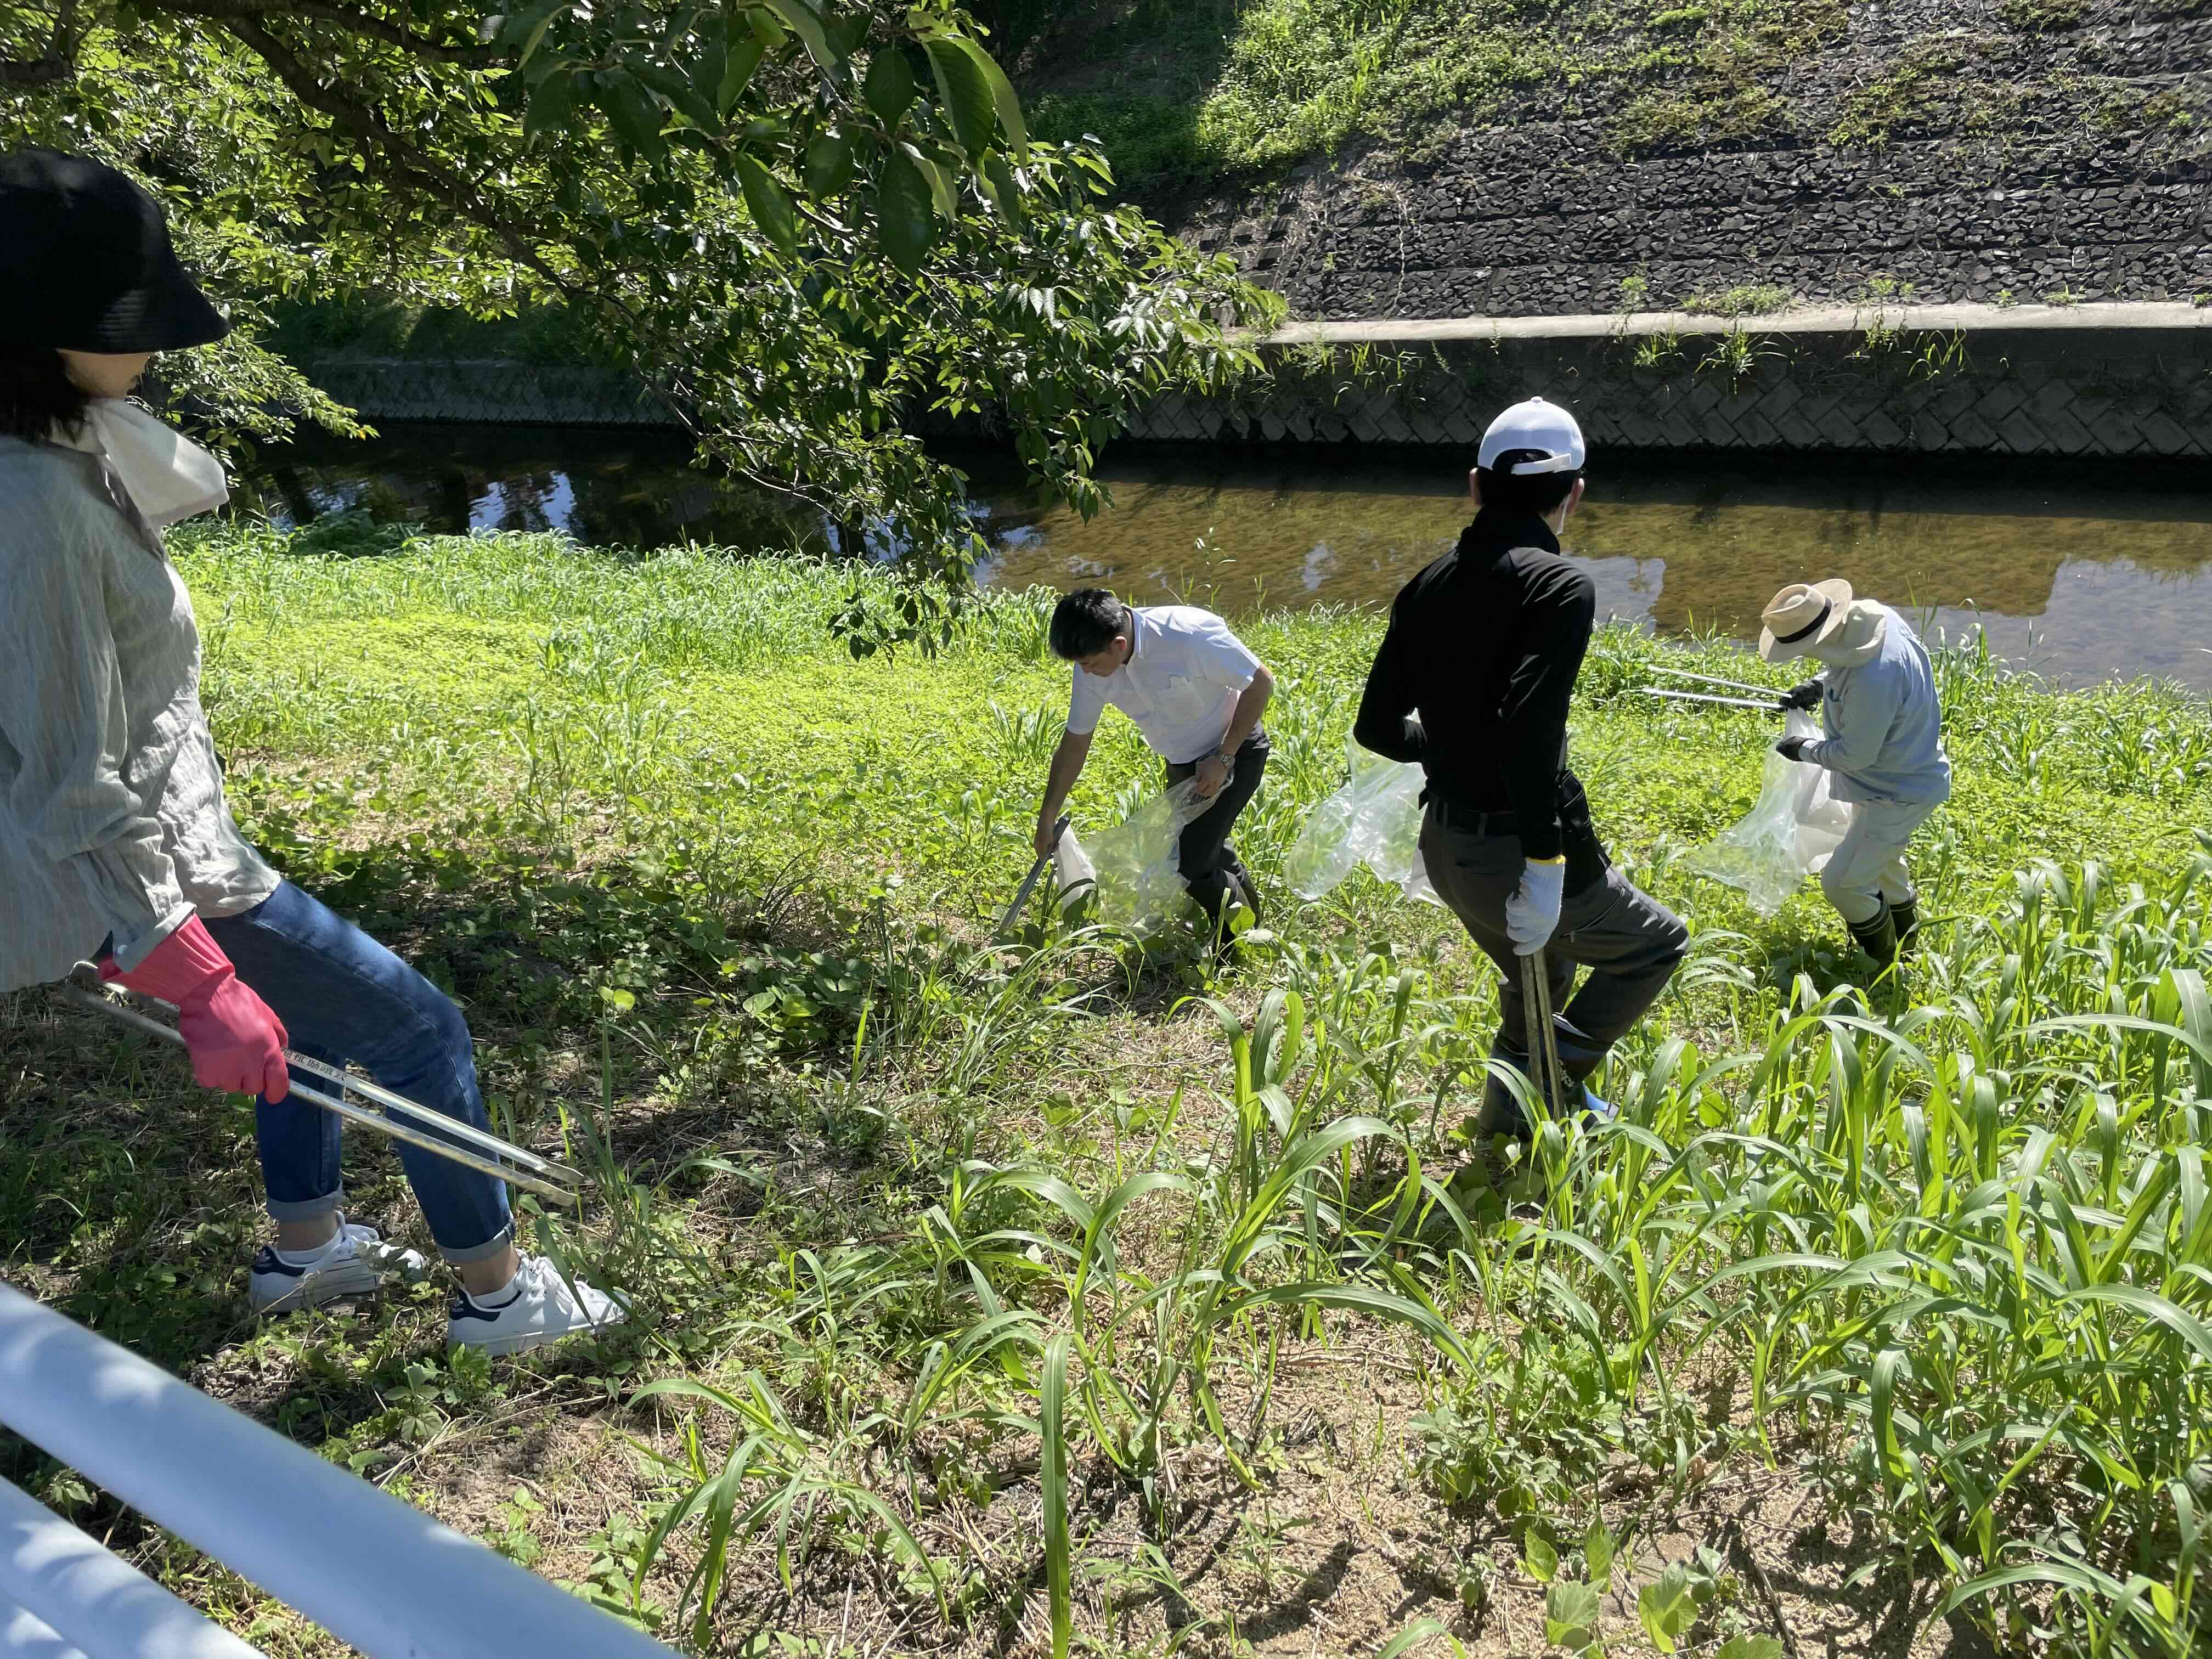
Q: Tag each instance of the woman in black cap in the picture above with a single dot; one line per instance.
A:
(115, 842)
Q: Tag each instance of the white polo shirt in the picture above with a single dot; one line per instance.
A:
(1179, 685)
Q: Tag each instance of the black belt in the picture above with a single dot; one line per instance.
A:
(1467, 821)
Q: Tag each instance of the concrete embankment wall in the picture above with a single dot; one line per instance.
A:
(2125, 380)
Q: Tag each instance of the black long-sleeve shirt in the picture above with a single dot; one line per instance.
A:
(1484, 645)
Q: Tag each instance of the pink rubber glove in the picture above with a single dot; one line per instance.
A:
(235, 1041)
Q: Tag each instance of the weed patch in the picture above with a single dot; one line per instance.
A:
(1063, 1292)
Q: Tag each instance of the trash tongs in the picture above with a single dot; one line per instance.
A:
(1770, 698)
(1030, 881)
(492, 1156)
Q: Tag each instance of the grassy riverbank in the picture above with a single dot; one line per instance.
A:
(1050, 1294)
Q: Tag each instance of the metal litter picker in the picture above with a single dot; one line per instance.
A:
(1543, 1040)
(1030, 881)
(433, 1132)
(1765, 697)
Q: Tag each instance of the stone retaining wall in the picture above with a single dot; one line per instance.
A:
(488, 390)
(2093, 381)
(1968, 149)
(2118, 380)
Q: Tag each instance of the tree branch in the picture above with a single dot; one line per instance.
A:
(366, 126)
(444, 186)
(325, 11)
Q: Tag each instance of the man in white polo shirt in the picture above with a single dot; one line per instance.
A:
(1196, 693)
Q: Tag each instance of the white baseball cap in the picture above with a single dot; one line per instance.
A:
(1537, 425)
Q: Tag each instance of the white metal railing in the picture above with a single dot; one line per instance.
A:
(84, 1600)
(377, 1573)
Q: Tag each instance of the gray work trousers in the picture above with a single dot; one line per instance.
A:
(1629, 942)
(1867, 873)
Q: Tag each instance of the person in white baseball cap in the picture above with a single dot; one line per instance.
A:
(1473, 680)
(1882, 741)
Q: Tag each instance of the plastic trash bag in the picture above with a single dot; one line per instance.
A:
(1374, 820)
(1789, 834)
(1137, 864)
(1075, 877)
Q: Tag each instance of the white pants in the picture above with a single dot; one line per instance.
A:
(1867, 871)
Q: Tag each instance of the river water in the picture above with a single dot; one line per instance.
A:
(2082, 575)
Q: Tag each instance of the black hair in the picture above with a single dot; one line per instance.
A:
(37, 395)
(1539, 493)
(1085, 622)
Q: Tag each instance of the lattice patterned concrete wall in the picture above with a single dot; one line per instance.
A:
(2104, 381)
(491, 392)
(1878, 386)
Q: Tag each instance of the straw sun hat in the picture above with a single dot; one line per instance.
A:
(1802, 617)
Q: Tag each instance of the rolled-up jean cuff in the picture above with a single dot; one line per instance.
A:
(305, 1209)
(484, 1252)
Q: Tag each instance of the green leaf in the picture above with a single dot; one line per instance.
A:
(1413, 1635)
(771, 208)
(1597, 1550)
(829, 167)
(2151, 1305)
(637, 117)
(1751, 1647)
(806, 21)
(942, 188)
(1570, 1615)
(1003, 96)
(552, 105)
(966, 95)
(888, 88)
(1539, 1556)
(682, 95)
(1051, 1475)
(998, 183)
(1667, 1608)
(905, 224)
(738, 63)
(527, 28)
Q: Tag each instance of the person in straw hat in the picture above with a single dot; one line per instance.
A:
(1882, 741)
(116, 844)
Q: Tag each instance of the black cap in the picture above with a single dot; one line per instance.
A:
(86, 262)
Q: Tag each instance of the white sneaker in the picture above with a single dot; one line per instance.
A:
(354, 1263)
(539, 1307)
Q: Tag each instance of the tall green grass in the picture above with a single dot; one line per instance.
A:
(1936, 1245)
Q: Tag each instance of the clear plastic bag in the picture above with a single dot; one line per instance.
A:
(1789, 834)
(1138, 868)
(1374, 820)
(1075, 877)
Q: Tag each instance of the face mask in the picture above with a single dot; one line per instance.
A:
(169, 477)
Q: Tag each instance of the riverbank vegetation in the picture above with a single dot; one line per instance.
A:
(1193, 97)
(1059, 1295)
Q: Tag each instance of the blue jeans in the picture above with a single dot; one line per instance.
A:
(347, 1000)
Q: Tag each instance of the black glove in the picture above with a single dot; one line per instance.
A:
(1806, 696)
(1792, 748)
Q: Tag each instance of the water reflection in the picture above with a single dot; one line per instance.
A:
(2079, 582)
(625, 490)
(2085, 577)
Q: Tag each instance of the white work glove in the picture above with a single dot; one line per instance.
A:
(1532, 914)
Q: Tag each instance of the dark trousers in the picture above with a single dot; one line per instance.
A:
(1205, 858)
(1629, 942)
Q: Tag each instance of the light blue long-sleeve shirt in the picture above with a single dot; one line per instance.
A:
(1884, 724)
